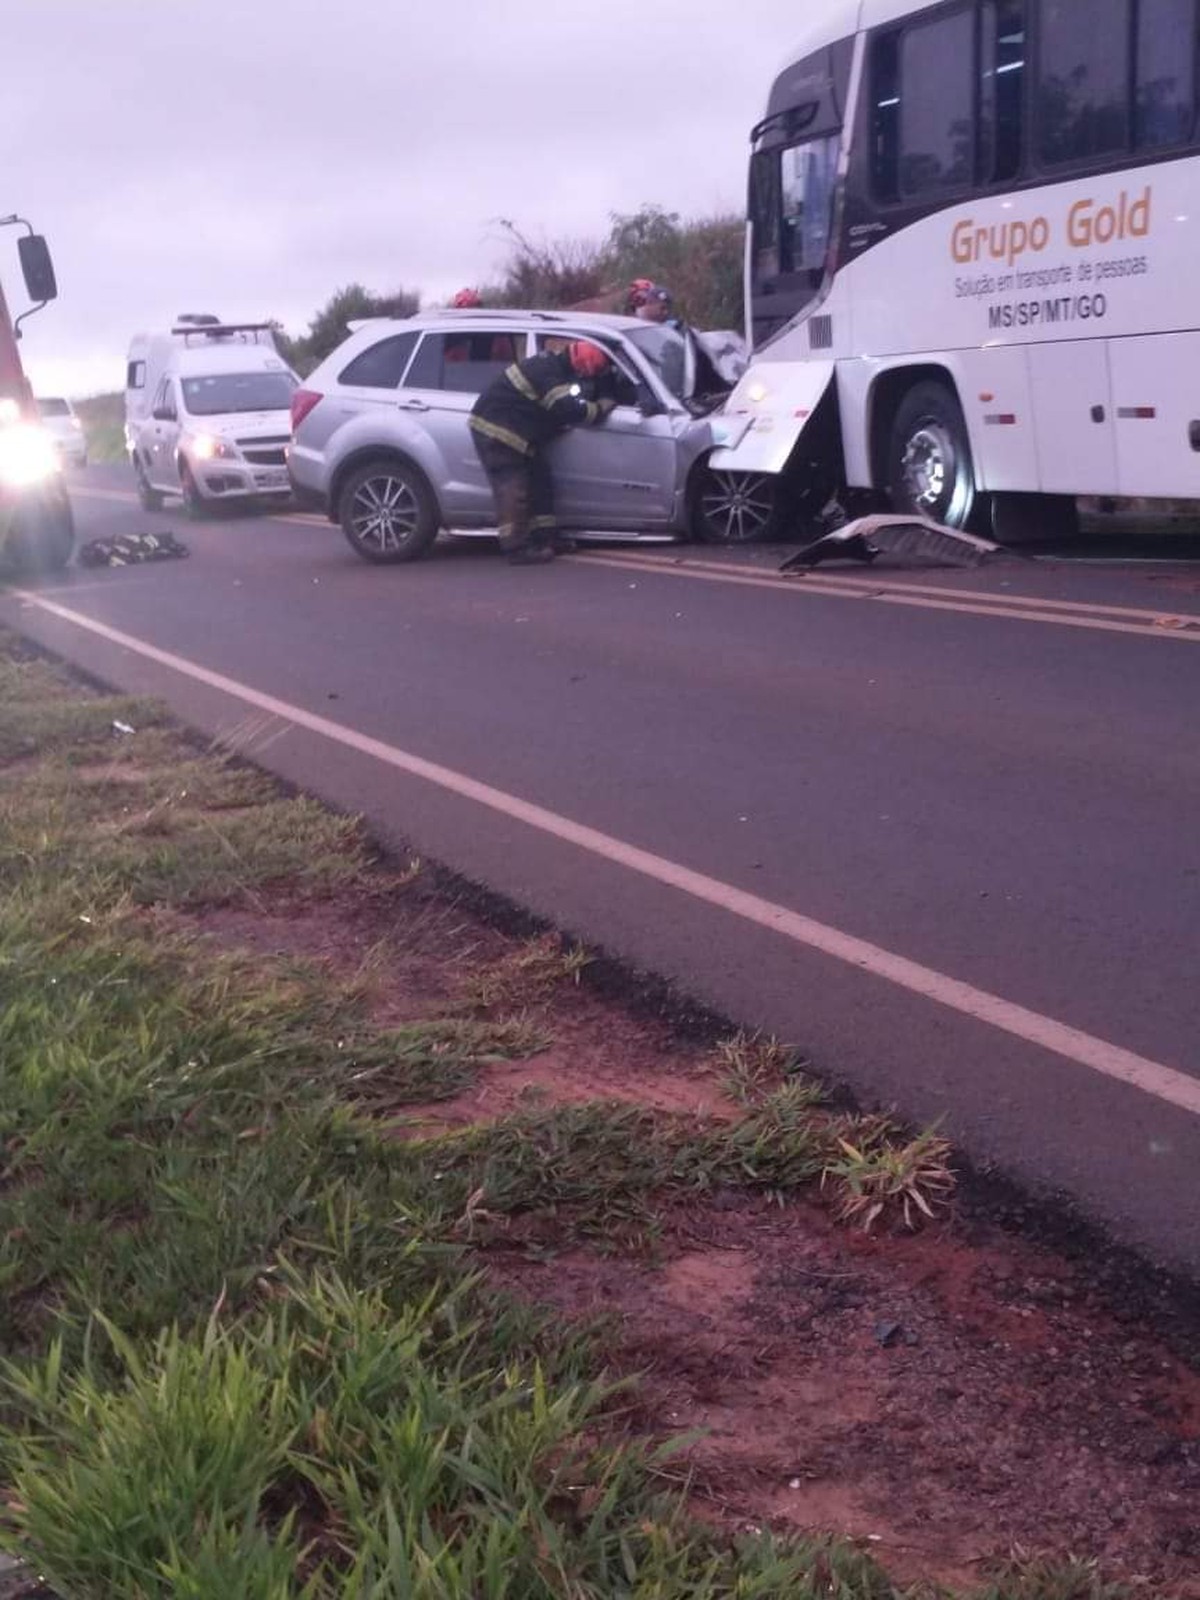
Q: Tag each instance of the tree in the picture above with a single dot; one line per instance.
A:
(331, 324)
(699, 260)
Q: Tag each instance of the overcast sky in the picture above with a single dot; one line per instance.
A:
(249, 157)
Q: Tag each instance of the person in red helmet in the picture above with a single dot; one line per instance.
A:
(640, 291)
(512, 424)
(467, 300)
(650, 302)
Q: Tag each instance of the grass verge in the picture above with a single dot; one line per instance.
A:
(246, 1351)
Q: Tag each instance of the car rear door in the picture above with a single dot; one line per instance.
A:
(449, 372)
(621, 474)
(366, 387)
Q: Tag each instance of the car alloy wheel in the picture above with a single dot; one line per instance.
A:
(387, 512)
(735, 507)
(384, 513)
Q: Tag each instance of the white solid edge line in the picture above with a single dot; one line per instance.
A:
(1112, 1061)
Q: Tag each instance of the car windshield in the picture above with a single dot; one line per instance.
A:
(237, 391)
(667, 354)
(54, 408)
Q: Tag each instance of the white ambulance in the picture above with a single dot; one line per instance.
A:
(207, 413)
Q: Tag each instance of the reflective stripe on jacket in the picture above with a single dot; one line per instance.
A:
(531, 402)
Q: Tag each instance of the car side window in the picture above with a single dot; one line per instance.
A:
(615, 384)
(164, 399)
(381, 365)
(464, 363)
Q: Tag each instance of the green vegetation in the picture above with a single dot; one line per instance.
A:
(700, 260)
(331, 324)
(246, 1348)
(103, 418)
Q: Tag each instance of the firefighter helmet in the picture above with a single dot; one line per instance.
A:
(587, 359)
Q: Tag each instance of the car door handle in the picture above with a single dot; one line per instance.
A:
(411, 405)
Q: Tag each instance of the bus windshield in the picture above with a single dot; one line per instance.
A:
(791, 210)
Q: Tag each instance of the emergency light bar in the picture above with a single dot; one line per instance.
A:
(219, 330)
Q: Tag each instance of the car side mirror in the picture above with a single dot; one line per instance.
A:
(37, 268)
(648, 402)
(163, 414)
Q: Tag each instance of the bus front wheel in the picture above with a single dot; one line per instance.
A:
(930, 471)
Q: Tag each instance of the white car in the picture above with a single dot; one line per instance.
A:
(66, 430)
(208, 417)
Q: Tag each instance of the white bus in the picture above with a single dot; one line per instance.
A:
(973, 259)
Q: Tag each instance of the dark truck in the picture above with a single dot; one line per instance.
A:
(37, 530)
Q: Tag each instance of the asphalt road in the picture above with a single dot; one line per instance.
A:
(939, 829)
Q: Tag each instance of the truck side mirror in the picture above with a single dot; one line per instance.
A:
(37, 268)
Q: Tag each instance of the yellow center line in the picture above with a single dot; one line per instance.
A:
(975, 603)
(881, 586)
(929, 597)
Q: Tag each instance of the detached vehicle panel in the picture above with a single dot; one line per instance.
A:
(381, 438)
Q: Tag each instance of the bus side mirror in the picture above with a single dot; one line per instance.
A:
(37, 268)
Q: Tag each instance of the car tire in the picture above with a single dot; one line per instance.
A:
(148, 498)
(194, 502)
(735, 508)
(387, 512)
(930, 472)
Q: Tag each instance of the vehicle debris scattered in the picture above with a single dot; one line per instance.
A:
(907, 537)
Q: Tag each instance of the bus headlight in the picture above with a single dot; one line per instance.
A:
(27, 456)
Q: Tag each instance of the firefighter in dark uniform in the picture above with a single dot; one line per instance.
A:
(514, 421)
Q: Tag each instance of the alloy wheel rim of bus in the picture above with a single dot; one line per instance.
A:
(385, 512)
(931, 469)
(738, 505)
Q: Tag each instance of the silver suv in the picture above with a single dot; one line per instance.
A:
(380, 438)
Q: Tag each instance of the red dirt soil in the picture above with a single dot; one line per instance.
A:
(942, 1397)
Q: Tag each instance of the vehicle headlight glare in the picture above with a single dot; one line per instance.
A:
(209, 447)
(27, 456)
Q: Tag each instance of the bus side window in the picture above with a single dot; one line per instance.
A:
(937, 104)
(1083, 81)
(1002, 90)
(1166, 70)
(923, 107)
(885, 116)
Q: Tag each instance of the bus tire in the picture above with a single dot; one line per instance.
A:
(929, 466)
